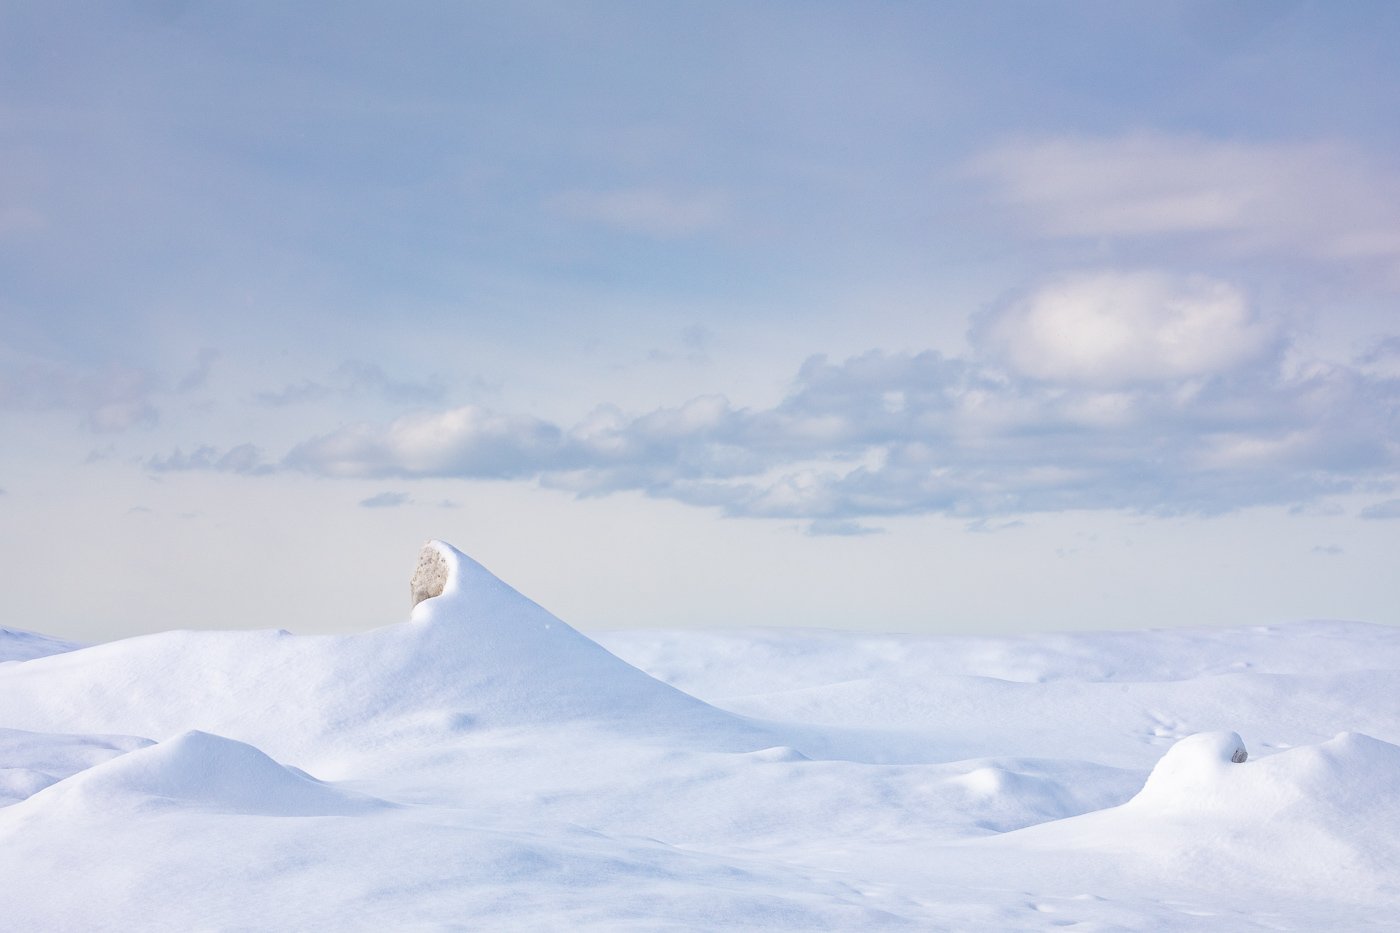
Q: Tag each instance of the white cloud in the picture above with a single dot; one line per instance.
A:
(1119, 328)
(465, 441)
(1302, 199)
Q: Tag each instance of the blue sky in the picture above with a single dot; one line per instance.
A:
(938, 317)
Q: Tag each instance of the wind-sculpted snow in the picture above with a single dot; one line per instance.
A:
(485, 766)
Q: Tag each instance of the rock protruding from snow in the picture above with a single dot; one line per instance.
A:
(478, 653)
(1191, 770)
(430, 578)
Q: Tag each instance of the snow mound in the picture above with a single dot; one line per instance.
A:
(1009, 795)
(1327, 812)
(478, 655)
(205, 772)
(1338, 778)
(1193, 771)
(513, 662)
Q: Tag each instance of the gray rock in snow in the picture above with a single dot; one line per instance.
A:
(431, 575)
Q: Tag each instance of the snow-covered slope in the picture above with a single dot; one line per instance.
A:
(483, 765)
(478, 656)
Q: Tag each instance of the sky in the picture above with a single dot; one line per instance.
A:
(915, 317)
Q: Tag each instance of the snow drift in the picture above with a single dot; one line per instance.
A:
(200, 771)
(480, 655)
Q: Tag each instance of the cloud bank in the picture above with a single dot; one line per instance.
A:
(1108, 390)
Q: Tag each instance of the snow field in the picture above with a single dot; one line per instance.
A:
(483, 765)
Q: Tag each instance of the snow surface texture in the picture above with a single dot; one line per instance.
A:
(484, 766)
